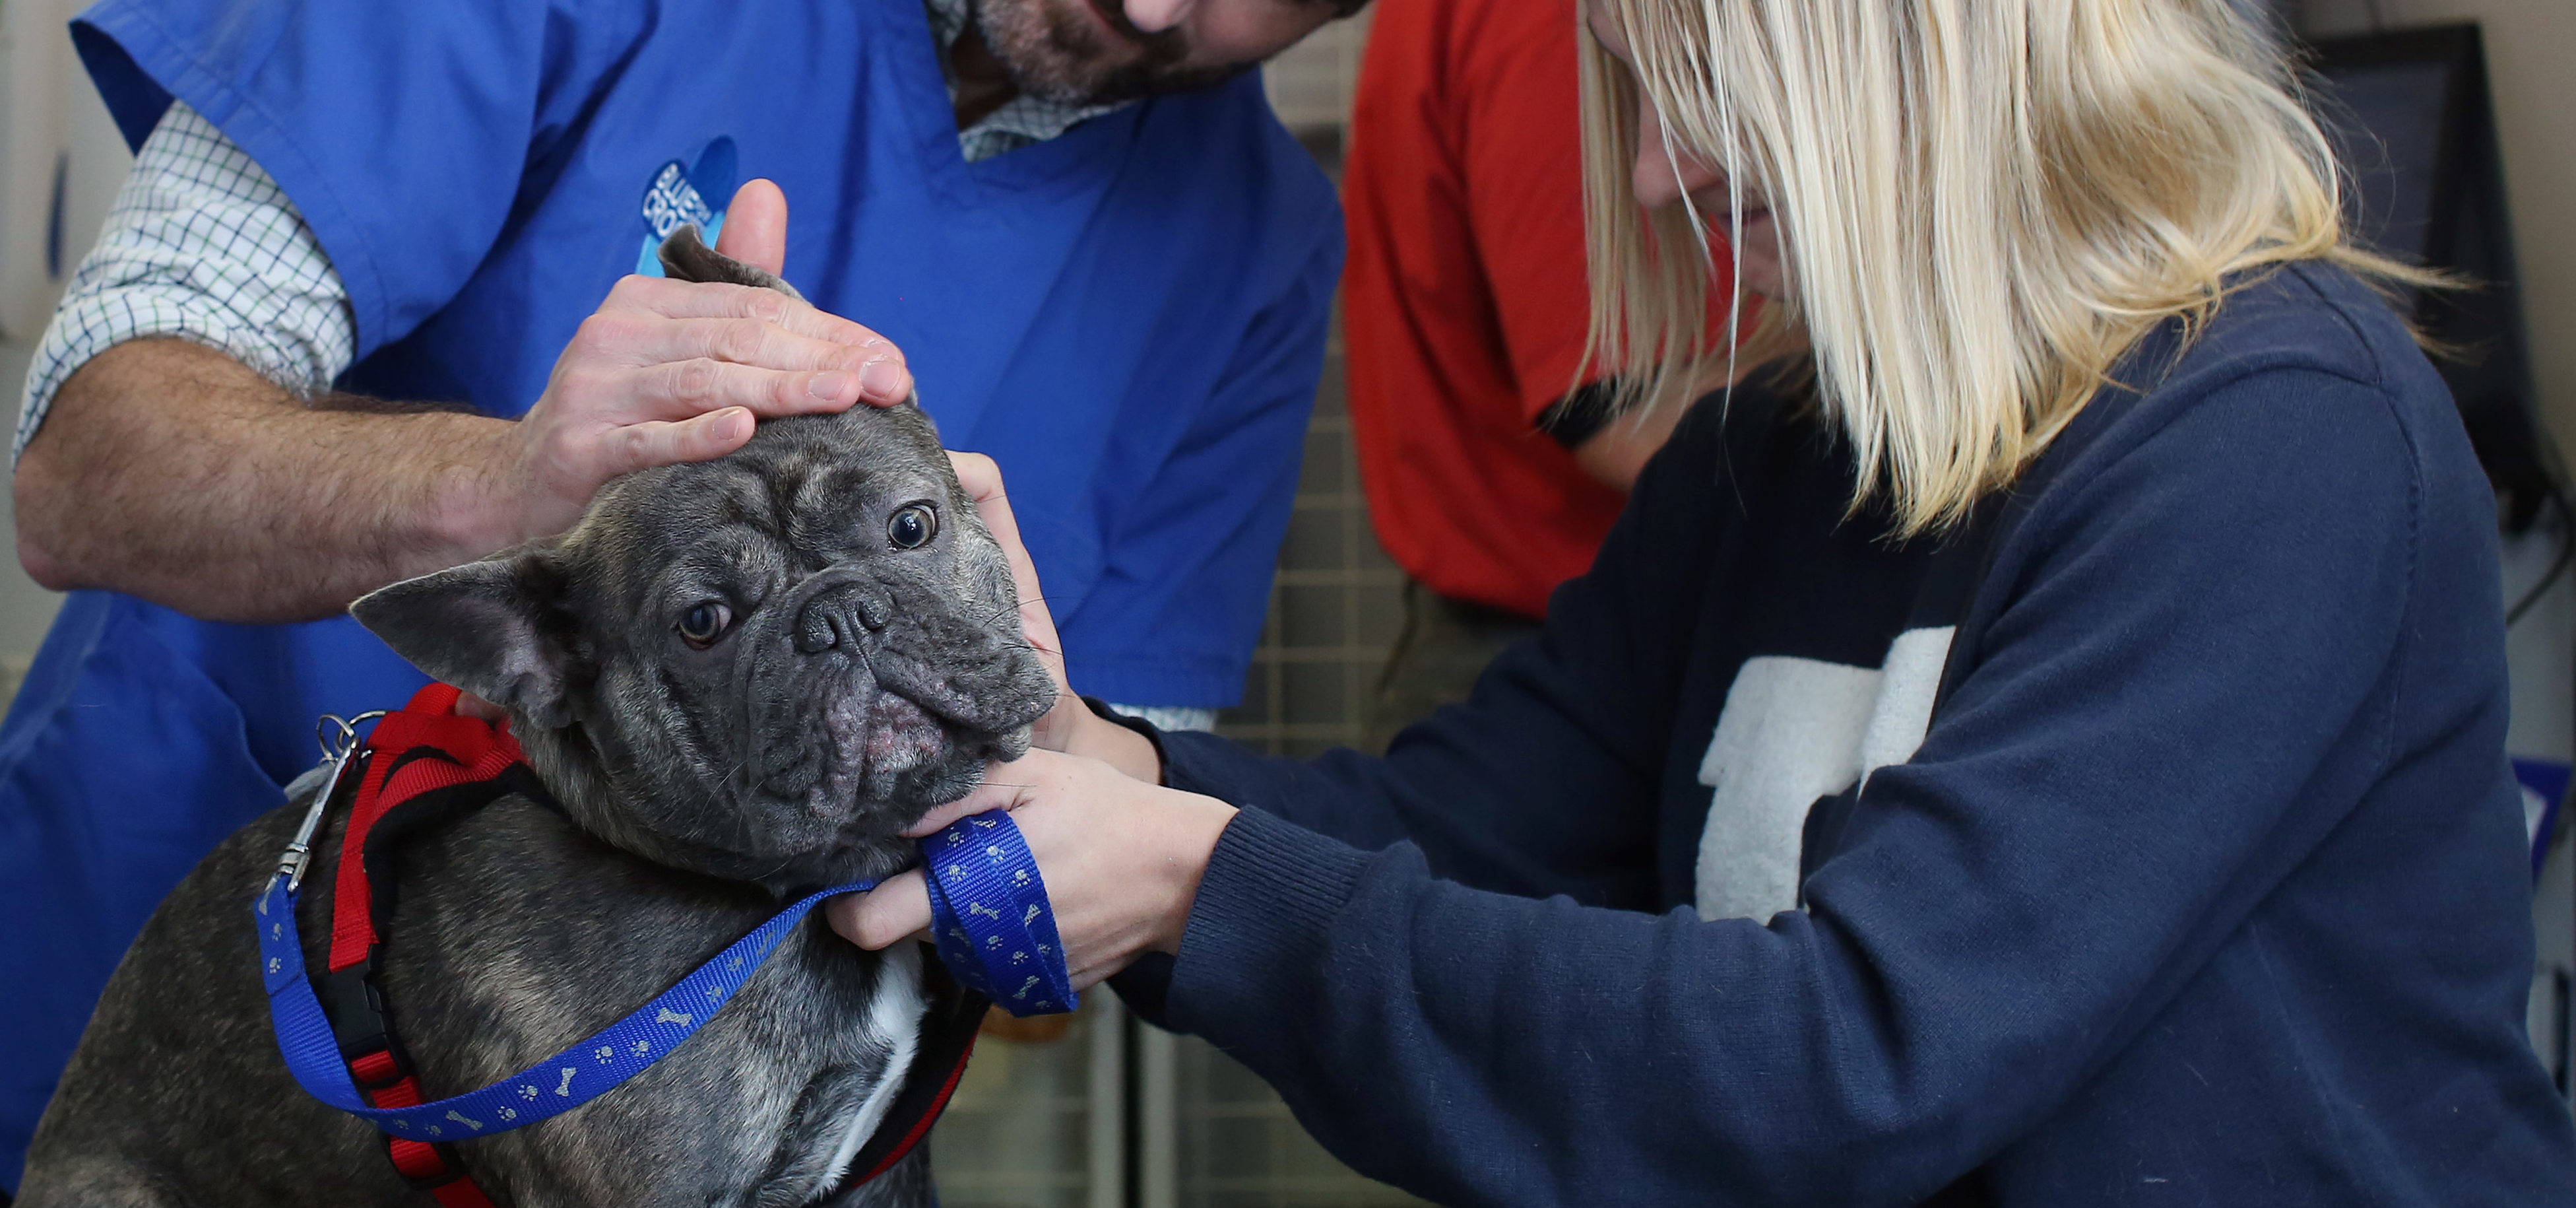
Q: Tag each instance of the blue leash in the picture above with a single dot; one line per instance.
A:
(1002, 943)
(1008, 928)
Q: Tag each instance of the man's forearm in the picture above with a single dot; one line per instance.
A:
(176, 473)
(173, 472)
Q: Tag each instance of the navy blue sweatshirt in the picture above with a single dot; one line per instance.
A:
(2205, 885)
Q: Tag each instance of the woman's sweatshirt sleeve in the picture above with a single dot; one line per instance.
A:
(1544, 781)
(2201, 626)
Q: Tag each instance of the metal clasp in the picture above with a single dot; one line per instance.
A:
(339, 741)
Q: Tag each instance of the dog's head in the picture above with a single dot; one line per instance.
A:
(761, 667)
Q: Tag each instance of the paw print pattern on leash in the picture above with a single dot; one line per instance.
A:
(991, 919)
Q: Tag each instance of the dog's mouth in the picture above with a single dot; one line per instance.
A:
(850, 740)
(880, 740)
(898, 739)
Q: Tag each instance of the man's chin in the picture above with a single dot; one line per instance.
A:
(1120, 90)
(1079, 60)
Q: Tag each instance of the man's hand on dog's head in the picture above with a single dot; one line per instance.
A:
(672, 371)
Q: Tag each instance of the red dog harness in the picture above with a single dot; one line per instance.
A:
(424, 767)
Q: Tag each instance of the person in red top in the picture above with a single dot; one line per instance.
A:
(1492, 473)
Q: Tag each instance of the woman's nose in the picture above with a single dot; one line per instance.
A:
(1155, 16)
(1658, 179)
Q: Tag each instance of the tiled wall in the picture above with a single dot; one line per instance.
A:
(1040, 1125)
(1239, 1148)
(1334, 608)
(1336, 604)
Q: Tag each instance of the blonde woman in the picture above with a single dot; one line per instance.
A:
(2039, 742)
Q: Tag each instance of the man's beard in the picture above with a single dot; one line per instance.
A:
(1064, 58)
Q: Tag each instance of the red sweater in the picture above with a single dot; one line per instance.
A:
(1464, 301)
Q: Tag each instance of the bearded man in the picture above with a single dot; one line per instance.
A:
(345, 325)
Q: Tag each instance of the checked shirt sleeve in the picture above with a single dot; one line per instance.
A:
(203, 245)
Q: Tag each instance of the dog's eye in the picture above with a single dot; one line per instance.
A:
(703, 624)
(913, 526)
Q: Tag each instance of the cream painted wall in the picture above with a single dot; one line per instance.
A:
(2531, 59)
(50, 112)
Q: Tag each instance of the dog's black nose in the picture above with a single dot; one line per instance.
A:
(835, 619)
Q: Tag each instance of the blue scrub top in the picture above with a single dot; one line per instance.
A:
(1130, 318)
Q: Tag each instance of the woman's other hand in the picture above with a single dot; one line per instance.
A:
(1070, 726)
(1121, 860)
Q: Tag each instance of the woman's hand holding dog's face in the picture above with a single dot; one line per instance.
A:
(1121, 855)
(1070, 726)
(1121, 858)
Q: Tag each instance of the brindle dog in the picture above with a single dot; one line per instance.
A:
(740, 679)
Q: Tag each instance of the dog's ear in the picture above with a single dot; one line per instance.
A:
(686, 257)
(494, 628)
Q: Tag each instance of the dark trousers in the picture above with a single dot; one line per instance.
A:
(1444, 647)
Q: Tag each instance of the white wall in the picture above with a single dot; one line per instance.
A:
(1310, 84)
(47, 112)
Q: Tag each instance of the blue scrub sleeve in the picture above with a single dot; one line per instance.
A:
(405, 133)
(2199, 637)
(1192, 552)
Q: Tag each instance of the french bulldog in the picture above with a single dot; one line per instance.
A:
(740, 680)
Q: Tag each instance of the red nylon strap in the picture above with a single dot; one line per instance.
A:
(460, 1193)
(469, 750)
(474, 750)
(416, 1159)
(376, 1069)
(420, 1163)
(403, 1093)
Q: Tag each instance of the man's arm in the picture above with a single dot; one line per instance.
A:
(1610, 448)
(1519, 148)
(174, 472)
(178, 474)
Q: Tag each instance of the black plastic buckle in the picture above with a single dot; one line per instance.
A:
(356, 1009)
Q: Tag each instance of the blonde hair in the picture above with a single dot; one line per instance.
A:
(1982, 205)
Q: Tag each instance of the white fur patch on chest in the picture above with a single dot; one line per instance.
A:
(894, 1022)
(1793, 730)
